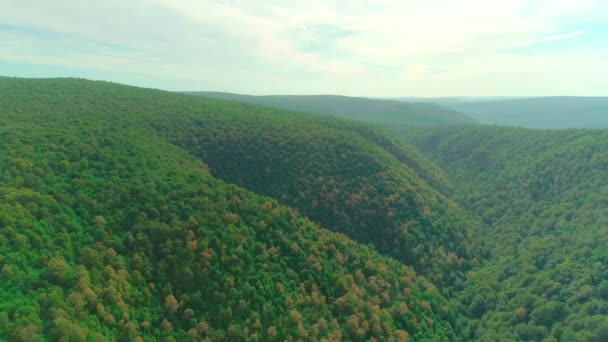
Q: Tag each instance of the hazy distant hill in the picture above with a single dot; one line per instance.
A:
(539, 112)
(450, 100)
(381, 112)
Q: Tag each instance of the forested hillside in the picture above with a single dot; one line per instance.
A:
(137, 214)
(544, 199)
(381, 112)
(113, 227)
(335, 175)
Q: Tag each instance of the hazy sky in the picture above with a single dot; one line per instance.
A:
(366, 48)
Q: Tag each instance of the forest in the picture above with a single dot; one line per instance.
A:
(543, 199)
(135, 214)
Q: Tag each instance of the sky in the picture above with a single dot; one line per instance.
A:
(380, 48)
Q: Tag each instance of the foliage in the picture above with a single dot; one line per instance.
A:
(544, 200)
(338, 177)
(111, 230)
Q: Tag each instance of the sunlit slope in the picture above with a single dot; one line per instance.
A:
(112, 226)
(376, 111)
(109, 232)
(544, 198)
(330, 170)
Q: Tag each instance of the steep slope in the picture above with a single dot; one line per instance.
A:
(380, 112)
(539, 112)
(544, 199)
(109, 231)
(334, 175)
(326, 168)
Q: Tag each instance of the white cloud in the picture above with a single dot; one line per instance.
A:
(375, 48)
(562, 36)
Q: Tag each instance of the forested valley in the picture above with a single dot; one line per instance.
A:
(142, 215)
(543, 198)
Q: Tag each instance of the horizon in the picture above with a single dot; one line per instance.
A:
(471, 98)
(380, 48)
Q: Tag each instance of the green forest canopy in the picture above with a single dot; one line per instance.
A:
(114, 228)
(543, 198)
(137, 214)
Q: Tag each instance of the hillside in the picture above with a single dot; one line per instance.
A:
(544, 200)
(379, 112)
(338, 178)
(137, 214)
(539, 112)
(344, 176)
(116, 224)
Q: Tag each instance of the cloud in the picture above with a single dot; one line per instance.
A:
(562, 36)
(374, 47)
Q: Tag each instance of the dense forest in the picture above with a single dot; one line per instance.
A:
(143, 215)
(113, 226)
(543, 198)
(331, 172)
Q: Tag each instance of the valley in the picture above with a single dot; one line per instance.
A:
(138, 214)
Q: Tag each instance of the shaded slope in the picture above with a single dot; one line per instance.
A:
(340, 180)
(380, 112)
(544, 199)
(337, 177)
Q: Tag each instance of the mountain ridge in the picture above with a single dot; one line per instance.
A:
(554, 112)
(381, 112)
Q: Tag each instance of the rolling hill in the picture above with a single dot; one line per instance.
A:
(379, 112)
(538, 112)
(136, 214)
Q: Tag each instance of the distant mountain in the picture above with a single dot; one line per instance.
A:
(375, 111)
(539, 112)
(450, 100)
